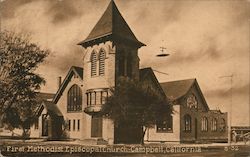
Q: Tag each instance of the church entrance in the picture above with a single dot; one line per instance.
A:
(52, 126)
(45, 125)
(96, 126)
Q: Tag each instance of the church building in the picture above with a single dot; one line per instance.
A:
(111, 51)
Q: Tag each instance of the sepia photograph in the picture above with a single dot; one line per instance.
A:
(125, 78)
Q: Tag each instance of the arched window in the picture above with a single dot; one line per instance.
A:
(204, 124)
(222, 125)
(214, 124)
(74, 98)
(93, 60)
(102, 56)
(187, 122)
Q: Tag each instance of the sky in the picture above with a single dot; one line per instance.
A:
(206, 40)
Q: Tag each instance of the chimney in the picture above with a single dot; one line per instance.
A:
(59, 81)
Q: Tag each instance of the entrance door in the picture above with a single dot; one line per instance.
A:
(96, 126)
(45, 125)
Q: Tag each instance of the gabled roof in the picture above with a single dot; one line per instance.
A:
(177, 89)
(40, 97)
(51, 108)
(111, 24)
(79, 71)
(148, 73)
(73, 70)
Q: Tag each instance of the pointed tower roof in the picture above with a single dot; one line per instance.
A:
(111, 26)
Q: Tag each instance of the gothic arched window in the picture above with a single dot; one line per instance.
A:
(214, 124)
(74, 98)
(93, 60)
(187, 122)
(204, 124)
(102, 56)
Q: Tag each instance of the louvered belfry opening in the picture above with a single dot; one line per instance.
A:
(93, 60)
(102, 62)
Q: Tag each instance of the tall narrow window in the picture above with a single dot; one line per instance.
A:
(93, 59)
(74, 98)
(98, 98)
(69, 125)
(187, 123)
(104, 95)
(102, 56)
(78, 124)
(214, 124)
(89, 95)
(204, 124)
(222, 125)
(93, 98)
(74, 125)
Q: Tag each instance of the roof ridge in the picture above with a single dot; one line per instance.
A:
(176, 89)
(179, 80)
(66, 81)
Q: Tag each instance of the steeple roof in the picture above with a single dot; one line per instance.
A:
(113, 25)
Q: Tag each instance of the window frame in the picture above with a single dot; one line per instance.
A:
(69, 125)
(78, 125)
(94, 94)
(214, 125)
(74, 99)
(204, 124)
(164, 122)
(187, 123)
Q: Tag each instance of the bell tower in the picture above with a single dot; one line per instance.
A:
(112, 35)
(110, 51)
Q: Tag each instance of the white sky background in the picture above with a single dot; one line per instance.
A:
(206, 39)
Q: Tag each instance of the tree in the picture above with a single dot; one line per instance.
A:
(19, 58)
(136, 104)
